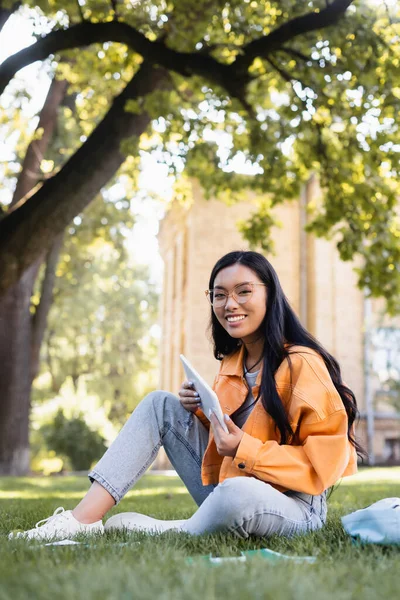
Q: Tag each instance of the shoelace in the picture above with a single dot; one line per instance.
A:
(56, 513)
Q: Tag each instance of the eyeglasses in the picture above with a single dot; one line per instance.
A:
(241, 293)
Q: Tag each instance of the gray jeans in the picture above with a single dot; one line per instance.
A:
(242, 505)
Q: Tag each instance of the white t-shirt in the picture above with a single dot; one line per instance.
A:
(239, 417)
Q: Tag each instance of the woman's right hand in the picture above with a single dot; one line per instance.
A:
(188, 396)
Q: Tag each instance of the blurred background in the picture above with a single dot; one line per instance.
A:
(140, 141)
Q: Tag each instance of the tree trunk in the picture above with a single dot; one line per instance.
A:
(15, 375)
(32, 226)
(39, 319)
(31, 172)
(17, 345)
(49, 210)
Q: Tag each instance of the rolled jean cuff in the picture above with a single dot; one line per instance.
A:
(93, 476)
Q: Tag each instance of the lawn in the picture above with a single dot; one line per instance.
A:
(140, 566)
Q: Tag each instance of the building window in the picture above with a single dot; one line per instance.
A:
(386, 366)
(391, 451)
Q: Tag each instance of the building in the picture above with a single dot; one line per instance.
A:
(322, 290)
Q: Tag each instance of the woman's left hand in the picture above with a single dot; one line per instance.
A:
(227, 443)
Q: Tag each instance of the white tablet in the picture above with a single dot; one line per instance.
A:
(209, 399)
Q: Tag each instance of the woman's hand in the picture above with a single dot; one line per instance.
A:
(188, 396)
(227, 443)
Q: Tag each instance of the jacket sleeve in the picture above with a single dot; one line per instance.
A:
(311, 467)
(202, 417)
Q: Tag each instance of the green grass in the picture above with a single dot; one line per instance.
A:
(155, 567)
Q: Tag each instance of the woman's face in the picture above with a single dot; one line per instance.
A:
(241, 320)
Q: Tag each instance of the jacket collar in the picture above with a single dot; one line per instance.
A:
(233, 365)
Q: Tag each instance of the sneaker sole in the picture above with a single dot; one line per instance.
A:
(137, 522)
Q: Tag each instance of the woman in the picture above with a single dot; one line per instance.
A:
(288, 413)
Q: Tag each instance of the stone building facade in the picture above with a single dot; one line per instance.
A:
(320, 287)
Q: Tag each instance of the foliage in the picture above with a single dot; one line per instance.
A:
(74, 440)
(42, 460)
(99, 327)
(322, 102)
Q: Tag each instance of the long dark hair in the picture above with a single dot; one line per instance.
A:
(280, 326)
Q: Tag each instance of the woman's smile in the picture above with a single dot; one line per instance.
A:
(235, 320)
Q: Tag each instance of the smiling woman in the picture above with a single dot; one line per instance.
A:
(243, 308)
(289, 418)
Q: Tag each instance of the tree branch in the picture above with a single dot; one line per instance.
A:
(285, 75)
(80, 10)
(39, 320)
(233, 78)
(29, 229)
(31, 173)
(84, 34)
(297, 54)
(289, 30)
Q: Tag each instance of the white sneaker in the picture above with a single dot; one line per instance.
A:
(137, 522)
(62, 524)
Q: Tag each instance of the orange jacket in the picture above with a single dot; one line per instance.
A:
(321, 454)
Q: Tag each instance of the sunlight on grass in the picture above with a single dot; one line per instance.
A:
(32, 495)
(40, 482)
(374, 475)
(74, 487)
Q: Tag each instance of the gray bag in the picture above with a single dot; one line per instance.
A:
(376, 524)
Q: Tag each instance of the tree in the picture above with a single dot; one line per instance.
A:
(335, 80)
(21, 333)
(22, 324)
(297, 87)
(100, 321)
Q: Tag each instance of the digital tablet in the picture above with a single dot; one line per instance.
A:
(209, 399)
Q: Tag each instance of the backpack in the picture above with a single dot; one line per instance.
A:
(376, 524)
